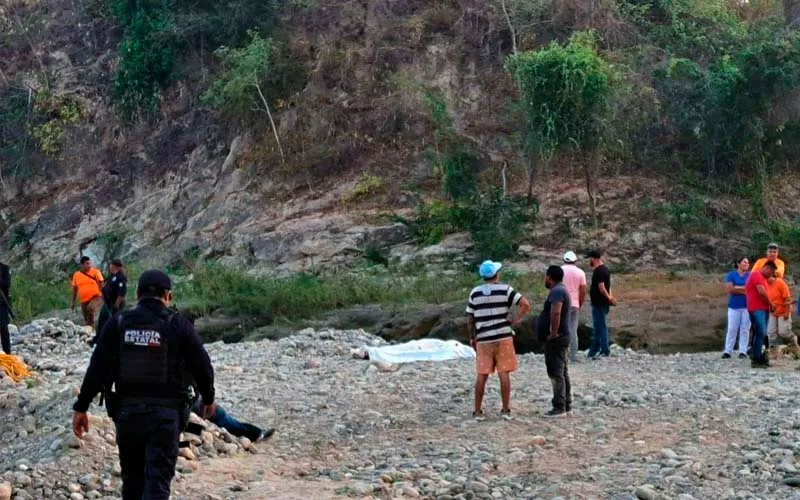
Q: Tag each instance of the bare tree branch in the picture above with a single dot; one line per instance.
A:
(510, 26)
(271, 121)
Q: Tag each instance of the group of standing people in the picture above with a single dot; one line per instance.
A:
(759, 299)
(100, 299)
(491, 331)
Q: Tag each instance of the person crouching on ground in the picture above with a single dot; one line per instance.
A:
(780, 317)
(491, 334)
(553, 331)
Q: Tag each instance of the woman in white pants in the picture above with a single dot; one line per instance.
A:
(738, 318)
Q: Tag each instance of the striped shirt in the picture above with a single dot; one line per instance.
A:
(490, 304)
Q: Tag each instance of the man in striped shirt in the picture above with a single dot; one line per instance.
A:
(491, 333)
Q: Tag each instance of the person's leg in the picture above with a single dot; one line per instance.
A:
(733, 329)
(605, 349)
(480, 387)
(787, 335)
(772, 331)
(505, 362)
(161, 454)
(131, 458)
(222, 418)
(555, 370)
(87, 320)
(5, 338)
(574, 320)
(505, 389)
(759, 320)
(105, 315)
(484, 364)
(744, 330)
(567, 383)
(595, 348)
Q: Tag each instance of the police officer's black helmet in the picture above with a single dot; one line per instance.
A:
(154, 282)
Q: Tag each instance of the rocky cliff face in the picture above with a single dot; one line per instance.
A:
(190, 184)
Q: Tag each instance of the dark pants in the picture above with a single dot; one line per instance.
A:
(599, 332)
(556, 358)
(222, 419)
(759, 321)
(147, 438)
(5, 336)
(105, 314)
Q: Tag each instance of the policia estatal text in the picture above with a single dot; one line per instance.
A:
(151, 355)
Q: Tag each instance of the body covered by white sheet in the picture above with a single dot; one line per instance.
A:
(421, 350)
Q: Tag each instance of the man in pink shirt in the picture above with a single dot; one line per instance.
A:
(575, 282)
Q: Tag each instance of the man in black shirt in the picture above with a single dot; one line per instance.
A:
(553, 330)
(5, 307)
(114, 290)
(601, 298)
(151, 356)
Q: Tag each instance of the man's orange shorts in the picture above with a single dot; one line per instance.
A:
(498, 355)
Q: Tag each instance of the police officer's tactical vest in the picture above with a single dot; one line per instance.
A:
(151, 364)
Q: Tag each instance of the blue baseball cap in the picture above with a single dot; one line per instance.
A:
(489, 269)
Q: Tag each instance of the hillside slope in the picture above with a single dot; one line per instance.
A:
(357, 132)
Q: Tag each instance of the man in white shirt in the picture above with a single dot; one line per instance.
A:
(575, 282)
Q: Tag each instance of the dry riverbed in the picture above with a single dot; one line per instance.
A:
(675, 426)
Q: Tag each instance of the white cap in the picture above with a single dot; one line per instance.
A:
(570, 257)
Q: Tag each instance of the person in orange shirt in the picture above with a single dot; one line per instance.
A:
(87, 284)
(780, 317)
(772, 255)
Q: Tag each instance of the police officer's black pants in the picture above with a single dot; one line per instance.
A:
(147, 438)
(5, 337)
(105, 315)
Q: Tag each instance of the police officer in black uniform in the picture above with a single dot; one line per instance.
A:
(5, 307)
(151, 355)
(114, 290)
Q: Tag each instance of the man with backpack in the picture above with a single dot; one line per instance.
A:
(87, 285)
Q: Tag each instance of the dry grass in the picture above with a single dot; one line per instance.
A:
(664, 289)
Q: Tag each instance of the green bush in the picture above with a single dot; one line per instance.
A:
(34, 293)
(496, 223)
(237, 88)
(564, 90)
(147, 59)
(53, 114)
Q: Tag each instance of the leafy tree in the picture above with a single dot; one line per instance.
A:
(240, 87)
(564, 91)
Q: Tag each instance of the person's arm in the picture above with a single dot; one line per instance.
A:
(555, 319)
(471, 329)
(762, 290)
(524, 308)
(582, 295)
(199, 364)
(734, 290)
(605, 293)
(123, 289)
(74, 294)
(96, 376)
(787, 301)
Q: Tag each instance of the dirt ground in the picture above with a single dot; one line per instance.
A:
(666, 313)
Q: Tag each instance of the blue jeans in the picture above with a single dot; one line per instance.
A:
(759, 322)
(600, 333)
(220, 418)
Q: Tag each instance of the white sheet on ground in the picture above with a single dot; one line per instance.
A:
(421, 350)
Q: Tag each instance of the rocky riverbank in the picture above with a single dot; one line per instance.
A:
(678, 426)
